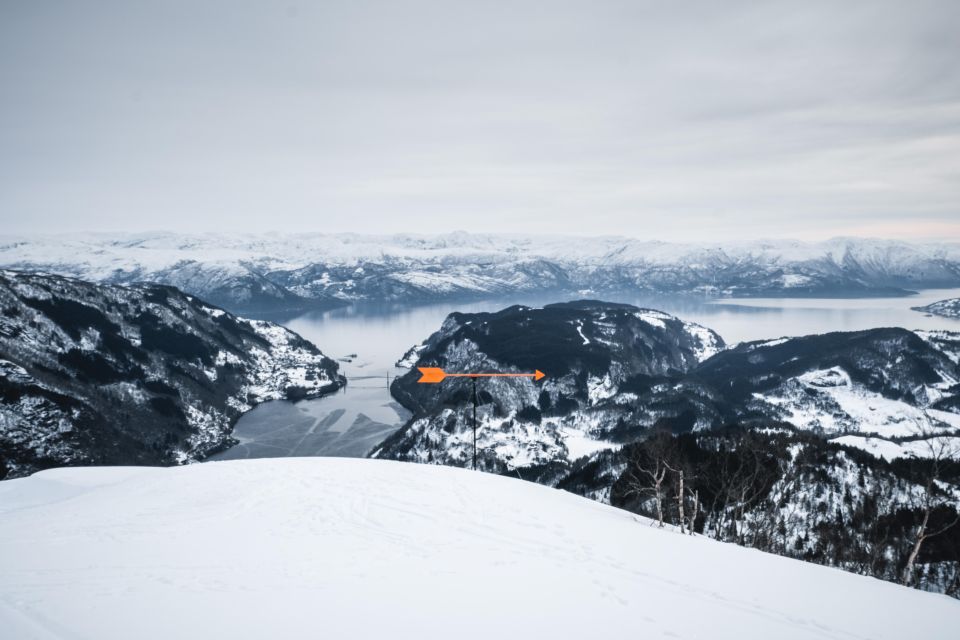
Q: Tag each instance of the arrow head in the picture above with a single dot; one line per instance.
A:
(431, 375)
(539, 374)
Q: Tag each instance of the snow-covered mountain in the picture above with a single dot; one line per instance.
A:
(614, 371)
(589, 351)
(358, 548)
(947, 308)
(98, 374)
(287, 272)
(822, 431)
(885, 390)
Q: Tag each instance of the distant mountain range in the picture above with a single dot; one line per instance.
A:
(287, 273)
(94, 374)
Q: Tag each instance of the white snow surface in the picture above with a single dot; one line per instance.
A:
(340, 548)
(709, 345)
(889, 450)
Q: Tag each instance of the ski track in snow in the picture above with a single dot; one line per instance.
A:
(360, 548)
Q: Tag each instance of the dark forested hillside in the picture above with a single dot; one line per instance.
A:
(588, 349)
(789, 492)
(94, 374)
(615, 371)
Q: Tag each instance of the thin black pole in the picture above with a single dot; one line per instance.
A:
(474, 424)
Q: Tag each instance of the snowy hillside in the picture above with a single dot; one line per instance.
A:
(590, 351)
(94, 374)
(372, 549)
(614, 371)
(888, 383)
(784, 443)
(285, 272)
(947, 308)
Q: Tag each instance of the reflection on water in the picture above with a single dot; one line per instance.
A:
(368, 339)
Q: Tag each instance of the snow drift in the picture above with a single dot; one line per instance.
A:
(341, 548)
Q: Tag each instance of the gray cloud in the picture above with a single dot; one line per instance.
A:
(698, 121)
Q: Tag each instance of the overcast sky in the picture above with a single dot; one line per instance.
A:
(669, 120)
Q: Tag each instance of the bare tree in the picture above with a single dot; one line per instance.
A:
(648, 470)
(680, 496)
(941, 449)
(695, 494)
(684, 489)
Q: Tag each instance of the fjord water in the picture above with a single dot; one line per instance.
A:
(369, 339)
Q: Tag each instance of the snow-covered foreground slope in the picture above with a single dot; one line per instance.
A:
(339, 548)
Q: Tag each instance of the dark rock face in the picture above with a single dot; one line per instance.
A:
(94, 374)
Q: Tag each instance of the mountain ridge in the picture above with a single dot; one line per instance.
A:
(286, 273)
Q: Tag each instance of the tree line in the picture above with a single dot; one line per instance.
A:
(793, 493)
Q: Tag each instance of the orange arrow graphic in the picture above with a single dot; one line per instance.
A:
(432, 375)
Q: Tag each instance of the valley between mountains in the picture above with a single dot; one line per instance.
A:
(835, 448)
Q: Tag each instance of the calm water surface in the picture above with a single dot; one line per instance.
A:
(369, 339)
